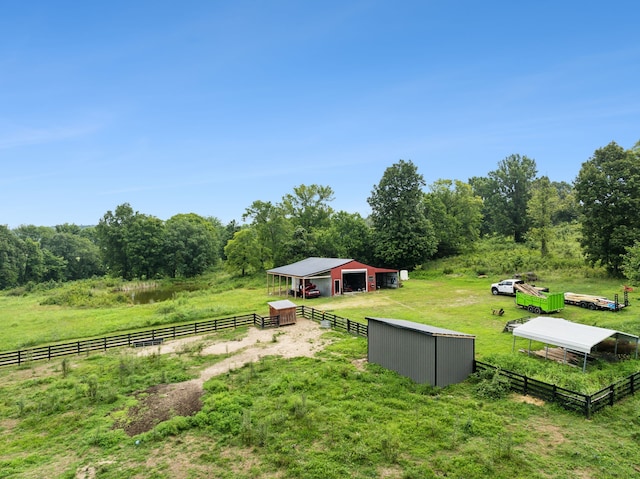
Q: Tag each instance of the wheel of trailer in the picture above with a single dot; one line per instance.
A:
(592, 306)
(537, 310)
(583, 304)
(494, 291)
(531, 309)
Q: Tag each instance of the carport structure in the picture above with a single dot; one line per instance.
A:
(574, 337)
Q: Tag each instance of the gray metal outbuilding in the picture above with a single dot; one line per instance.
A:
(426, 354)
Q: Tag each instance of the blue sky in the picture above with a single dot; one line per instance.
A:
(206, 106)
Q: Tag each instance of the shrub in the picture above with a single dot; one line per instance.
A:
(495, 386)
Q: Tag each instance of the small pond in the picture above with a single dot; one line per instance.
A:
(158, 294)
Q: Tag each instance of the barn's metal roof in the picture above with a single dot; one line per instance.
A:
(422, 328)
(309, 267)
(563, 333)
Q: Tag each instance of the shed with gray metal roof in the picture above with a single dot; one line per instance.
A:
(424, 353)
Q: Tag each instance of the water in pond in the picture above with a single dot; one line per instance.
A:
(156, 295)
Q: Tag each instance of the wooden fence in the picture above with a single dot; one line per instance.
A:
(336, 322)
(152, 336)
(568, 399)
(572, 400)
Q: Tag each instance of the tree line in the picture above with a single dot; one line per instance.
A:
(410, 223)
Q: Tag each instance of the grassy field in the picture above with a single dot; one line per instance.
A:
(331, 416)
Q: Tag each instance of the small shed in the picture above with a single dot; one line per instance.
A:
(285, 309)
(426, 354)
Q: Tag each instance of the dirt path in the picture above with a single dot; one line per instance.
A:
(300, 339)
(160, 402)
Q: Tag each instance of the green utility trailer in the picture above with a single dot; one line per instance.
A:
(540, 304)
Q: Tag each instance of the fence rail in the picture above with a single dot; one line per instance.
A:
(568, 399)
(572, 400)
(102, 344)
(337, 322)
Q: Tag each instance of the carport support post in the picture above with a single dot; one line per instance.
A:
(584, 364)
(514, 344)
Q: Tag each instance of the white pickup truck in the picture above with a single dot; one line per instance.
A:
(507, 286)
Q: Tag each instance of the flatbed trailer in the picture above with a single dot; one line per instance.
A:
(593, 303)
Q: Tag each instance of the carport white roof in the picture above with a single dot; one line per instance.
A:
(563, 333)
(309, 267)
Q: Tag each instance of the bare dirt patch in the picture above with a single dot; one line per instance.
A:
(161, 402)
(528, 400)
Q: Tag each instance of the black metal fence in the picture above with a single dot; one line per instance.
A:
(568, 399)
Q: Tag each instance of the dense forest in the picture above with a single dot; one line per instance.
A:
(410, 224)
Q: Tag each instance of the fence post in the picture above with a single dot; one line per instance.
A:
(49, 353)
(612, 394)
(526, 383)
(174, 332)
(588, 407)
(632, 385)
(19, 351)
(78, 348)
(105, 343)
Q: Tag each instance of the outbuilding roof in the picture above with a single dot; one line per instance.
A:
(309, 266)
(422, 328)
(282, 304)
(566, 334)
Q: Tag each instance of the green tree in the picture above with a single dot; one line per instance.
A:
(35, 268)
(348, 236)
(308, 206)
(404, 237)
(273, 231)
(608, 191)
(456, 214)
(567, 209)
(301, 245)
(191, 245)
(145, 246)
(631, 263)
(111, 234)
(12, 258)
(541, 210)
(242, 251)
(505, 194)
(81, 256)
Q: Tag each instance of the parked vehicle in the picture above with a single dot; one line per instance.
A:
(511, 286)
(595, 302)
(540, 303)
